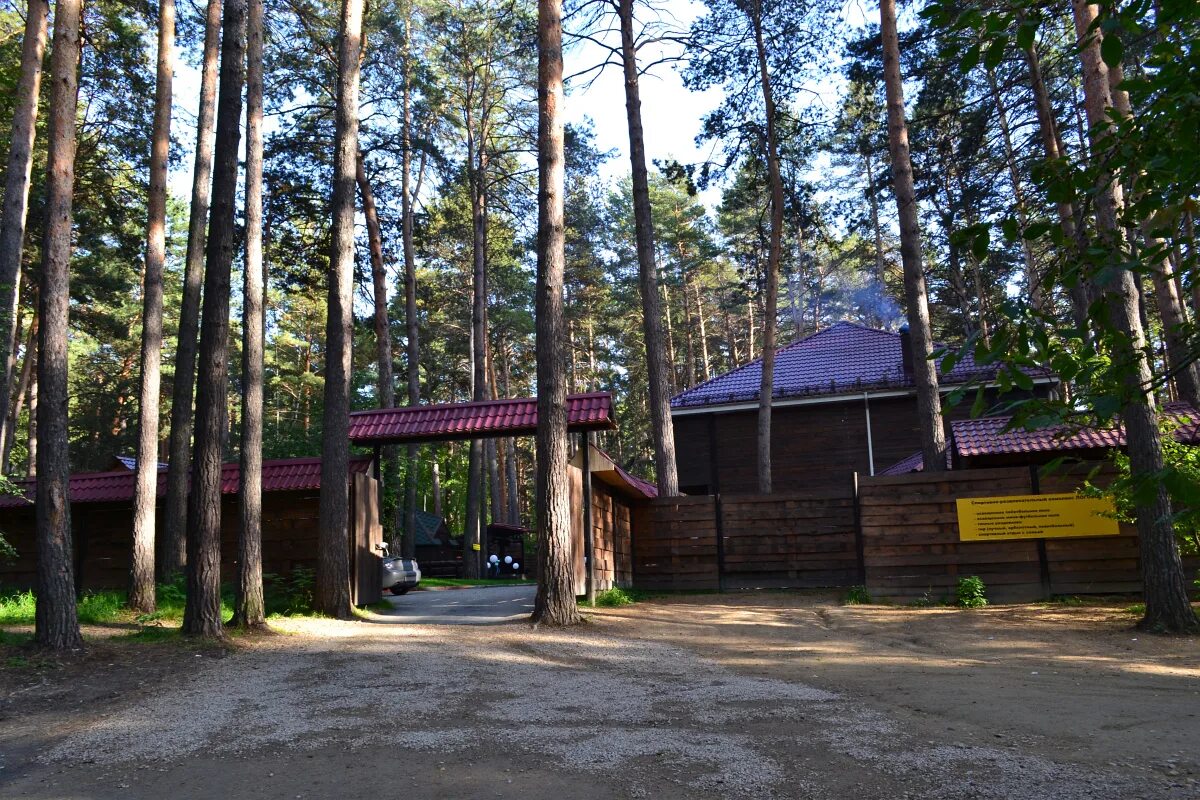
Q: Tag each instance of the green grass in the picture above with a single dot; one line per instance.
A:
(617, 597)
(283, 596)
(434, 583)
(857, 596)
(17, 609)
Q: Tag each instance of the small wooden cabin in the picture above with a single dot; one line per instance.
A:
(102, 525)
(617, 499)
(844, 402)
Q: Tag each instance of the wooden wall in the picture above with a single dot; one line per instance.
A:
(612, 531)
(675, 547)
(819, 445)
(787, 540)
(102, 536)
(911, 546)
(898, 536)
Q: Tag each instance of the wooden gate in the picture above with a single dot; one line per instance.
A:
(366, 560)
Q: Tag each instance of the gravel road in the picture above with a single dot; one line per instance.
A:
(637, 704)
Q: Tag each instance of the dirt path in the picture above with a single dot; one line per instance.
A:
(750, 696)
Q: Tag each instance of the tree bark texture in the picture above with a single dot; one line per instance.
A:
(1033, 278)
(202, 613)
(17, 179)
(55, 623)
(172, 550)
(1167, 606)
(24, 381)
(333, 565)
(555, 600)
(929, 408)
(477, 169)
(774, 256)
(249, 609)
(412, 346)
(145, 493)
(383, 330)
(657, 366)
(1080, 292)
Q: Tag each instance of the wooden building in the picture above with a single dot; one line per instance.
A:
(619, 504)
(102, 525)
(844, 402)
(985, 443)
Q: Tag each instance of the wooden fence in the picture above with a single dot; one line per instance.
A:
(792, 540)
(898, 536)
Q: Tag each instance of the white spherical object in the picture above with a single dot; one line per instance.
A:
(508, 559)
(494, 559)
(516, 565)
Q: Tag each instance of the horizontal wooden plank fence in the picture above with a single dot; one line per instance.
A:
(789, 540)
(898, 535)
(786, 540)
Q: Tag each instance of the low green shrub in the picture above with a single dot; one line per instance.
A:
(617, 597)
(971, 592)
(857, 596)
(289, 595)
(17, 608)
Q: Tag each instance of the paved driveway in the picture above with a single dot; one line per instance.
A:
(487, 605)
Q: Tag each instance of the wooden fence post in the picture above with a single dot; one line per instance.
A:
(589, 541)
(859, 549)
(1035, 487)
(719, 519)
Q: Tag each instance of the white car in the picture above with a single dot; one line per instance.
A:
(399, 574)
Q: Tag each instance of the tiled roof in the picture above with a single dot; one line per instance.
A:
(986, 437)
(476, 420)
(913, 463)
(644, 486)
(843, 358)
(279, 475)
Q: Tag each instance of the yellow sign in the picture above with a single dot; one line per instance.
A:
(475, 546)
(1034, 516)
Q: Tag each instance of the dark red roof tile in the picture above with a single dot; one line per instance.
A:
(279, 475)
(476, 420)
(986, 436)
(841, 359)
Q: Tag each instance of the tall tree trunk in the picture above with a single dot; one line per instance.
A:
(929, 408)
(435, 480)
(413, 348)
(249, 609)
(876, 228)
(172, 550)
(510, 463)
(333, 565)
(475, 455)
(23, 382)
(774, 256)
(383, 331)
(705, 370)
(202, 614)
(1033, 279)
(55, 622)
(17, 179)
(145, 493)
(555, 600)
(32, 439)
(1167, 606)
(1080, 293)
(657, 371)
(1180, 363)
(672, 373)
